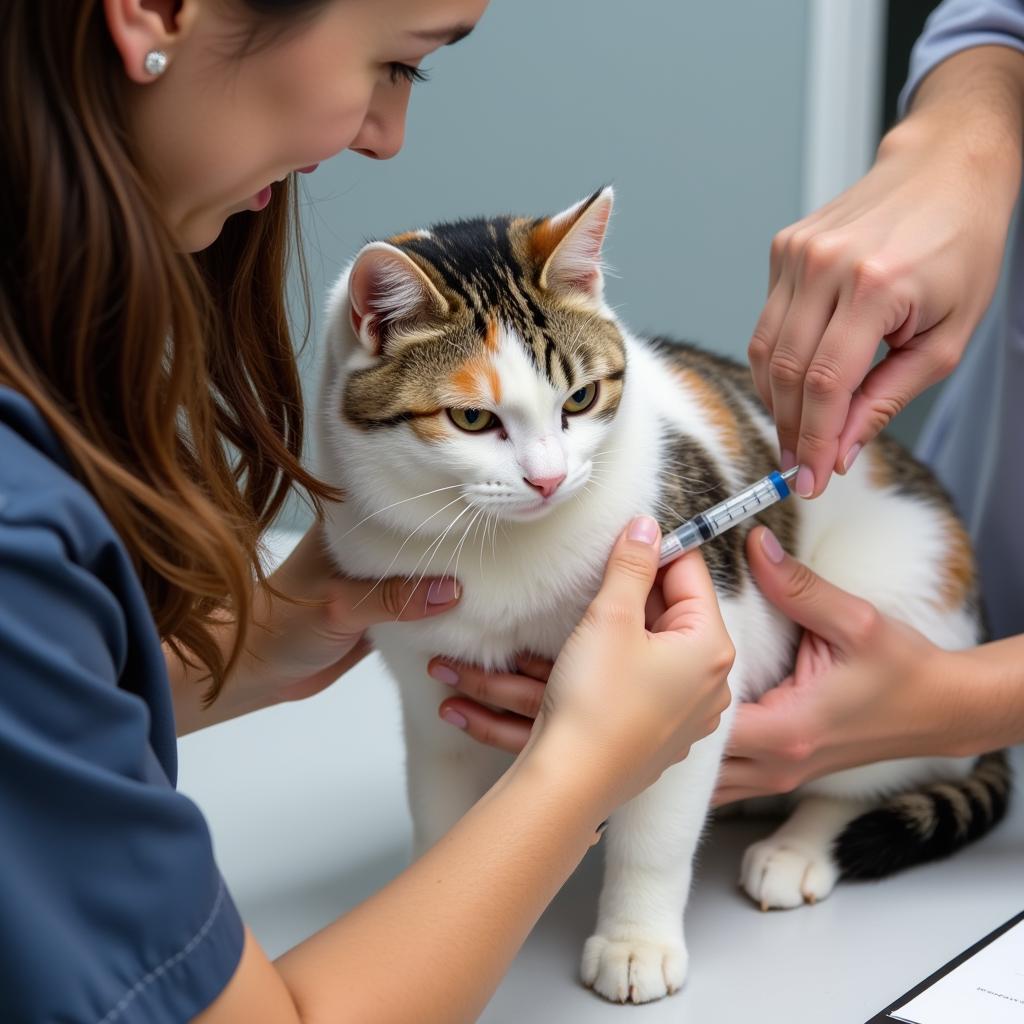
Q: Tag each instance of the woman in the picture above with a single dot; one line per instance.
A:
(150, 425)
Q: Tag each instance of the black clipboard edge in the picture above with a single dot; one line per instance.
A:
(884, 1018)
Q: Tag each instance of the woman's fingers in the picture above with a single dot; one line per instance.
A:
(357, 604)
(521, 694)
(504, 731)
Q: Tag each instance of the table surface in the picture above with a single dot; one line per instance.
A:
(306, 803)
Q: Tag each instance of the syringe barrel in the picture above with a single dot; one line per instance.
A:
(723, 516)
(742, 506)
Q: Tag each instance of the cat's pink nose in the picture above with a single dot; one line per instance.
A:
(547, 485)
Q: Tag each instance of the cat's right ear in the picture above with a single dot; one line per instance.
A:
(388, 296)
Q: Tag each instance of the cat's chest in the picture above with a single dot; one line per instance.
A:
(470, 634)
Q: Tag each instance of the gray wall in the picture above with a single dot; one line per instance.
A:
(694, 111)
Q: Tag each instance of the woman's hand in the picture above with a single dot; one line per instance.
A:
(293, 650)
(865, 688)
(622, 702)
(909, 254)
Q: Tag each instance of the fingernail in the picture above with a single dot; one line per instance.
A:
(452, 717)
(805, 482)
(643, 529)
(443, 674)
(788, 460)
(443, 591)
(772, 547)
(851, 456)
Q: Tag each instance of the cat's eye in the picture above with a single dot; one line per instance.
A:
(581, 399)
(473, 420)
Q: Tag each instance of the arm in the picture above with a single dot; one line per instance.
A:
(295, 650)
(910, 253)
(455, 919)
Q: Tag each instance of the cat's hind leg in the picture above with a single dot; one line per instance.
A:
(797, 864)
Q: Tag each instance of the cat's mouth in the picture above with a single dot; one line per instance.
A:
(509, 503)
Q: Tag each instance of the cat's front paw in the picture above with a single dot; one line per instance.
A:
(780, 875)
(634, 970)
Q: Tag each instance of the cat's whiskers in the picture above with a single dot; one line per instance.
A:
(434, 547)
(395, 504)
(458, 548)
(405, 542)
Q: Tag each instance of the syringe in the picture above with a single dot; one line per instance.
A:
(725, 515)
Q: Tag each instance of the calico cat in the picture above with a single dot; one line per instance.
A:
(489, 417)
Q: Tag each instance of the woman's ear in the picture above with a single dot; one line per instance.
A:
(140, 27)
(388, 295)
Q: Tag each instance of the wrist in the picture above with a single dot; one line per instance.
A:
(969, 108)
(555, 771)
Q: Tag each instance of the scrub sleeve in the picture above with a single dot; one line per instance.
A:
(112, 908)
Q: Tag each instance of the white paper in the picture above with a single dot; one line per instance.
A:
(988, 988)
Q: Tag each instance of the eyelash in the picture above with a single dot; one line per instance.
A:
(408, 72)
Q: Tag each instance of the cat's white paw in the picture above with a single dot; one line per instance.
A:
(632, 970)
(779, 874)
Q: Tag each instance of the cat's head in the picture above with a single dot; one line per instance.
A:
(479, 356)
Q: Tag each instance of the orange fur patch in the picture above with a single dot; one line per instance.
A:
(879, 471)
(491, 337)
(429, 428)
(474, 378)
(957, 565)
(495, 382)
(718, 413)
(406, 236)
(544, 239)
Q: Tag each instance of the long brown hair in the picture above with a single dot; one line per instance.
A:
(169, 379)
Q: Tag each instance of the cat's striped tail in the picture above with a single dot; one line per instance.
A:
(926, 824)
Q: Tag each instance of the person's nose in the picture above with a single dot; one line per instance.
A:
(547, 485)
(382, 132)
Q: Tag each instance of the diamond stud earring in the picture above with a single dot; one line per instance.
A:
(155, 63)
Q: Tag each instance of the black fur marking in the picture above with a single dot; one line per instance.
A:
(691, 484)
(566, 368)
(549, 350)
(732, 380)
(892, 837)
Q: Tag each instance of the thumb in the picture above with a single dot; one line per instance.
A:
(356, 604)
(629, 574)
(835, 615)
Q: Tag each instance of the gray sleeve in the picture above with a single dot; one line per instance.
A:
(958, 25)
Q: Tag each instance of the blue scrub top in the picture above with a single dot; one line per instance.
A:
(112, 908)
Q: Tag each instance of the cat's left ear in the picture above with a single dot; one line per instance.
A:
(568, 246)
(389, 295)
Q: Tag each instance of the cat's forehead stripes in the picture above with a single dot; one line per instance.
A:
(491, 268)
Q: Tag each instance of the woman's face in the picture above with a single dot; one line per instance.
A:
(216, 131)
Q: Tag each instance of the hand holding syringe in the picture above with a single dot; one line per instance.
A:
(726, 514)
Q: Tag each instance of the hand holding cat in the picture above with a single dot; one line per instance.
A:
(622, 702)
(865, 688)
(909, 254)
(295, 650)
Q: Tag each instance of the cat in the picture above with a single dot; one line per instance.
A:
(489, 417)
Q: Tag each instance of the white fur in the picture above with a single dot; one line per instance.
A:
(462, 508)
